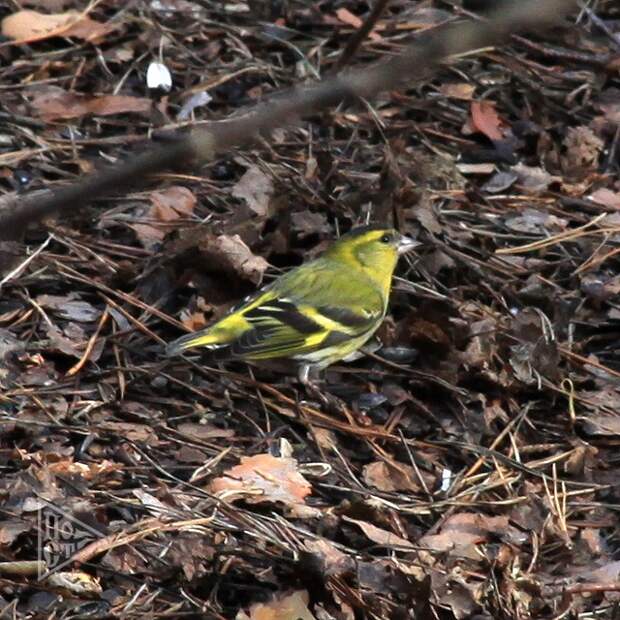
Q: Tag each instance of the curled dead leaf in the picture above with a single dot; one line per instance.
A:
(256, 189)
(30, 26)
(583, 149)
(385, 477)
(11, 529)
(140, 433)
(533, 179)
(231, 255)
(67, 307)
(458, 90)
(167, 206)
(282, 607)
(462, 532)
(378, 535)
(606, 197)
(263, 478)
(482, 344)
(172, 202)
(53, 103)
(346, 17)
(90, 471)
(485, 120)
(601, 425)
(326, 558)
(535, 222)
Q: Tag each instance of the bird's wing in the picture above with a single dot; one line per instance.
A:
(283, 328)
(293, 316)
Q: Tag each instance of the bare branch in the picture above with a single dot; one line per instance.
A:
(203, 144)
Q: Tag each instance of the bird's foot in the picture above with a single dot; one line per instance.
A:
(329, 402)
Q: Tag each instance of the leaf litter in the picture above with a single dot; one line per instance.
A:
(475, 474)
(29, 26)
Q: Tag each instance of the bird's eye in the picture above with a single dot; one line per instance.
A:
(386, 238)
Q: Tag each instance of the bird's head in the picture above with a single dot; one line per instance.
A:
(376, 250)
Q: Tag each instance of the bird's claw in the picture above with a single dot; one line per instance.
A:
(329, 402)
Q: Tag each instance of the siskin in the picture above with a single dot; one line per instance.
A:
(316, 314)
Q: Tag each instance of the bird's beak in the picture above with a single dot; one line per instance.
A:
(406, 244)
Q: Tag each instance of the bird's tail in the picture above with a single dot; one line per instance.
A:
(189, 341)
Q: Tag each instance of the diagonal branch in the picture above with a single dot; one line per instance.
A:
(203, 144)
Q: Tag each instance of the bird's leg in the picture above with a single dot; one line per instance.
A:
(305, 370)
(308, 376)
(304, 374)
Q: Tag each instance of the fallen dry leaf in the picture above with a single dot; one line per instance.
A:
(194, 321)
(484, 119)
(332, 560)
(256, 189)
(378, 535)
(53, 103)
(283, 607)
(388, 478)
(90, 471)
(461, 532)
(140, 433)
(205, 432)
(481, 346)
(30, 26)
(232, 255)
(534, 222)
(346, 17)
(600, 286)
(583, 148)
(385, 576)
(499, 182)
(167, 206)
(458, 90)
(59, 342)
(609, 573)
(601, 425)
(263, 478)
(67, 307)
(306, 223)
(193, 553)
(454, 594)
(11, 529)
(606, 197)
(533, 179)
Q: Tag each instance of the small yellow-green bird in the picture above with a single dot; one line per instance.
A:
(316, 314)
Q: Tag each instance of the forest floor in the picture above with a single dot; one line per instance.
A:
(476, 470)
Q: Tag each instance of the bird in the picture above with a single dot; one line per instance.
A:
(318, 313)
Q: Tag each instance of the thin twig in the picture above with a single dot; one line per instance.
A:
(26, 262)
